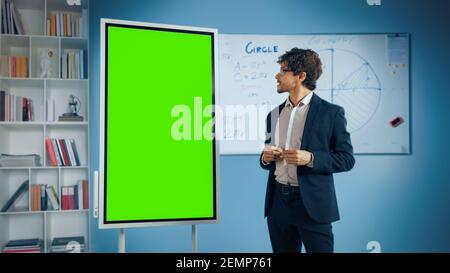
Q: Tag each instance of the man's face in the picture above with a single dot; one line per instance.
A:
(286, 81)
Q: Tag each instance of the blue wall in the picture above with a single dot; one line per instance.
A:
(401, 201)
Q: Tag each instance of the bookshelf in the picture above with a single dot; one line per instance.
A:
(28, 137)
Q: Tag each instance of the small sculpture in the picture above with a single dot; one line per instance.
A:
(46, 68)
(73, 109)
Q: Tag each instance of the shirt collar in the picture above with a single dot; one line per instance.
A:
(305, 101)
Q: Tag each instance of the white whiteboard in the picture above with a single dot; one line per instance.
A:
(366, 74)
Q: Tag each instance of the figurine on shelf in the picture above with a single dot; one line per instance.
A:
(46, 63)
(73, 109)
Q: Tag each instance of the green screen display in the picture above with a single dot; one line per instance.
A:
(150, 175)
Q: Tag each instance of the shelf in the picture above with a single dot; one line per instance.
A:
(67, 80)
(43, 36)
(43, 212)
(65, 123)
(43, 79)
(20, 79)
(21, 123)
(49, 123)
(67, 211)
(43, 168)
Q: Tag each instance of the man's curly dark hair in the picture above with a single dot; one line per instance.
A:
(303, 60)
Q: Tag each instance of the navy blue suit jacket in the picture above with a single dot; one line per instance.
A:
(325, 135)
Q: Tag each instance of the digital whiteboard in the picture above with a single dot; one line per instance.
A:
(155, 169)
(366, 74)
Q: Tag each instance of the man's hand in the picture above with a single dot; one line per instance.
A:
(297, 157)
(272, 153)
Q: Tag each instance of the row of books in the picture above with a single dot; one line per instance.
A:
(75, 197)
(62, 152)
(74, 64)
(11, 19)
(66, 24)
(44, 197)
(33, 245)
(13, 66)
(15, 108)
(15, 160)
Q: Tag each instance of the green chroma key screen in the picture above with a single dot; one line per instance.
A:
(151, 176)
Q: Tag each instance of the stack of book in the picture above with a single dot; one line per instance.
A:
(68, 244)
(24, 246)
(31, 160)
(11, 21)
(62, 152)
(44, 197)
(13, 66)
(75, 197)
(67, 24)
(15, 108)
(74, 64)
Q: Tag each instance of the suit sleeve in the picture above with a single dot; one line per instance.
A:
(266, 142)
(340, 158)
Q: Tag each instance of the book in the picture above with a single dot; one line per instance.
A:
(68, 198)
(4, 66)
(63, 241)
(43, 197)
(64, 198)
(33, 245)
(35, 197)
(48, 27)
(80, 195)
(75, 197)
(75, 152)
(57, 154)
(2, 104)
(30, 160)
(17, 21)
(51, 152)
(71, 197)
(70, 152)
(4, 24)
(52, 197)
(68, 244)
(64, 152)
(85, 186)
(50, 110)
(26, 250)
(68, 118)
(21, 190)
(23, 242)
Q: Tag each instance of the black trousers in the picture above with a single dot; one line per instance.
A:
(290, 226)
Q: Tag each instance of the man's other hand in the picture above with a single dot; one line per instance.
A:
(272, 153)
(297, 157)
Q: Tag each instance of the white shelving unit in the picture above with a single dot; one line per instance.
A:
(29, 137)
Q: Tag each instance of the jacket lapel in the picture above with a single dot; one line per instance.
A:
(312, 113)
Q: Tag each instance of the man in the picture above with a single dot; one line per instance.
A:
(309, 143)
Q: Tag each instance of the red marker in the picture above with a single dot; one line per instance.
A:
(396, 122)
